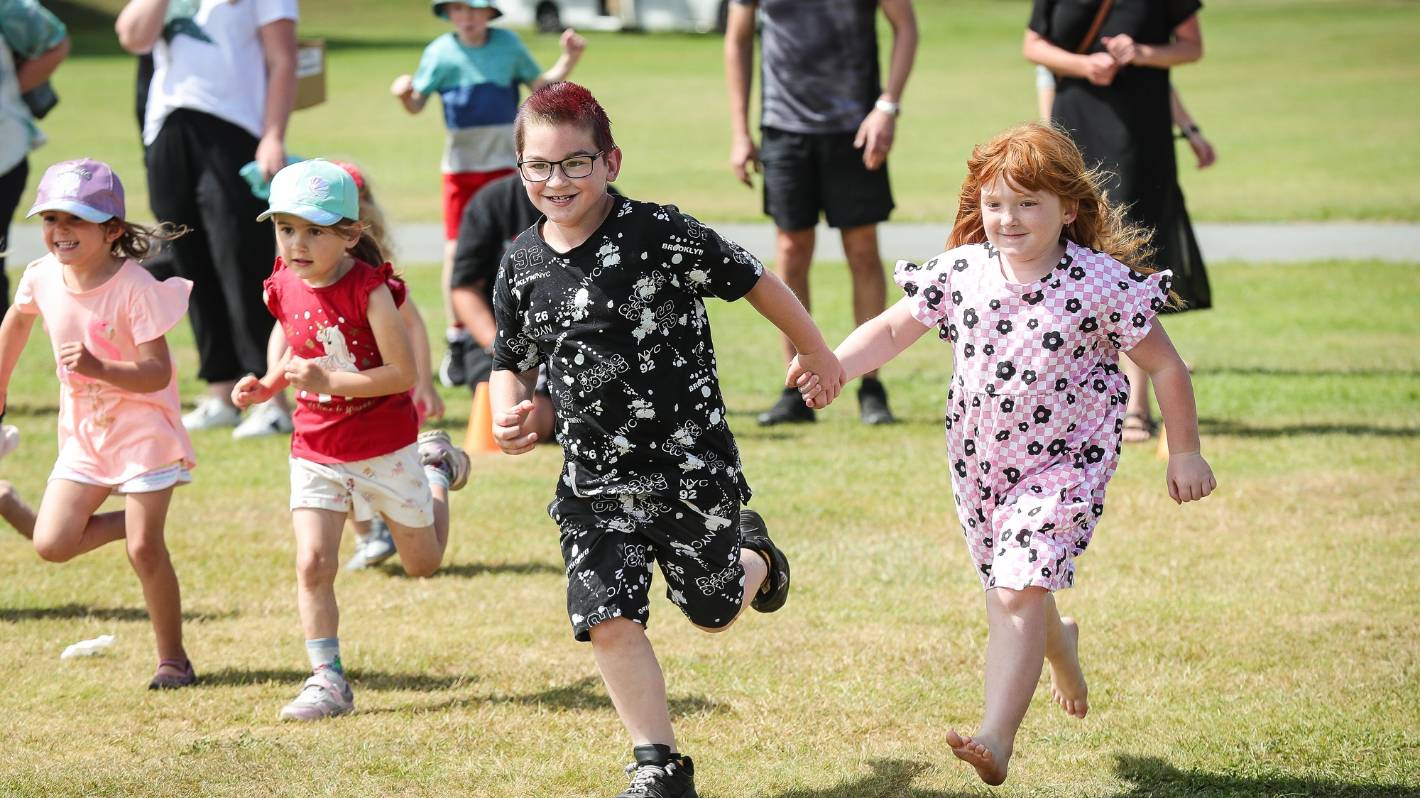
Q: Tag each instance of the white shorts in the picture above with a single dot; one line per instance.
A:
(393, 485)
(147, 482)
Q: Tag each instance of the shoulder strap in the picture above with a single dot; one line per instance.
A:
(1095, 26)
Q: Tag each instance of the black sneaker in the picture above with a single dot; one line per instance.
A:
(873, 404)
(790, 409)
(657, 773)
(755, 535)
(453, 369)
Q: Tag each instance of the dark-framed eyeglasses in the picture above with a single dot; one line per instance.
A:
(572, 168)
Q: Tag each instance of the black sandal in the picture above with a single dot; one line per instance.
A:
(1142, 422)
(167, 681)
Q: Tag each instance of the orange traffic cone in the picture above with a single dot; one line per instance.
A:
(479, 437)
(1162, 451)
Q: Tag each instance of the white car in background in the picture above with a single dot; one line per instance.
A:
(700, 16)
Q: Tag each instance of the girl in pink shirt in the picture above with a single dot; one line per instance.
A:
(119, 425)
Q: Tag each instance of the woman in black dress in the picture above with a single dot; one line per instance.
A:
(1112, 95)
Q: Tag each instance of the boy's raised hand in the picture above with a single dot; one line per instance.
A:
(403, 86)
(510, 429)
(1190, 478)
(573, 44)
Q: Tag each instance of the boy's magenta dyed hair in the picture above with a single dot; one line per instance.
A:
(564, 103)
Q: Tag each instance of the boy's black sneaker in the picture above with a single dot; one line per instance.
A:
(453, 369)
(657, 773)
(775, 590)
(790, 409)
(873, 404)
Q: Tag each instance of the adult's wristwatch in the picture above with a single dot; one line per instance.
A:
(888, 107)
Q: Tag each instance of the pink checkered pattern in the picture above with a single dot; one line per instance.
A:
(1037, 399)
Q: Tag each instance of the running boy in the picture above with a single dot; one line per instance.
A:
(608, 293)
(476, 71)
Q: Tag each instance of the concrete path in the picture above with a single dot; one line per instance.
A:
(1286, 242)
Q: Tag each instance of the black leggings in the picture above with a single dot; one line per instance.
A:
(193, 181)
(12, 187)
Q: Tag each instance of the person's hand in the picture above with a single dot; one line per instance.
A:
(427, 400)
(1189, 477)
(77, 358)
(1100, 68)
(821, 366)
(1121, 48)
(744, 158)
(403, 86)
(510, 429)
(307, 375)
(1202, 149)
(270, 155)
(573, 45)
(875, 137)
(250, 391)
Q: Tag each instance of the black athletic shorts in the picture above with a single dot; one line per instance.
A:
(608, 544)
(805, 173)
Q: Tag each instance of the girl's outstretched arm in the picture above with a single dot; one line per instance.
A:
(1189, 476)
(151, 372)
(14, 332)
(874, 343)
(776, 302)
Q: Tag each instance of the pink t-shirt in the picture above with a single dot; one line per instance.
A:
(331, 324)
(106, 432)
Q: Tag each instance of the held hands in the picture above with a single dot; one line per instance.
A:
(510, 429)
(818, 376)
(1189, 477)
(875, 137)
(250, 391)
(573, 45)
(77, 358)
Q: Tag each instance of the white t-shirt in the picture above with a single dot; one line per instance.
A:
(210, 59)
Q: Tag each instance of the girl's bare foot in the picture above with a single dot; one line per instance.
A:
(977, 753)
(1067, 680)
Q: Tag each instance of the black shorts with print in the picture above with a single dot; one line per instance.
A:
(608, 544)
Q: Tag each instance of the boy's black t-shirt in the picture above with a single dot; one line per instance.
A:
(621, 324)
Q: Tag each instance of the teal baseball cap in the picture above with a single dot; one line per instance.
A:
(439, 11)
(317, 190)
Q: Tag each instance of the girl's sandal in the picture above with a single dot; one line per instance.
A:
(172, 674)
(1138, 428)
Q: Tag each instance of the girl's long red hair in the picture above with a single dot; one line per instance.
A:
(1040, 157)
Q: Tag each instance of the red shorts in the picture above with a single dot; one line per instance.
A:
(459, 188)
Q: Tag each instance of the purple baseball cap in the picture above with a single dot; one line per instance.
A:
(86, 188)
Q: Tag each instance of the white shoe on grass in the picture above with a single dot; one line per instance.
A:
(212, 413)
(267, 418)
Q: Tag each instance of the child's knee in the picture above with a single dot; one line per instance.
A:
(53, 548)
(616, 631)
(314, 567)
(1019, 601)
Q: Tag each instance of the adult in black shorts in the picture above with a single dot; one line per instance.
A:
(826, 127)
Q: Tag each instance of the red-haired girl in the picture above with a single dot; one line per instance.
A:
(1037, 300)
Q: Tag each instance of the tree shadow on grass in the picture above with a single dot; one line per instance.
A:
(1151, 777)
(360, 679)
(470, 570)
(1216, 426)
(74, 611)
(891, 778)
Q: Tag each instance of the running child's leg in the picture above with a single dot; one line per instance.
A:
(145, 518)
(317, 562)
(421, 548)
(66, 525)
(1015, 654)
(634, 681)
(1062, 651)
(15, 512)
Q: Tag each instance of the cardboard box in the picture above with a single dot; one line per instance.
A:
(310, 73)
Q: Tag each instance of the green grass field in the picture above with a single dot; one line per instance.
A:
(1310, 103)
(1261, 643)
